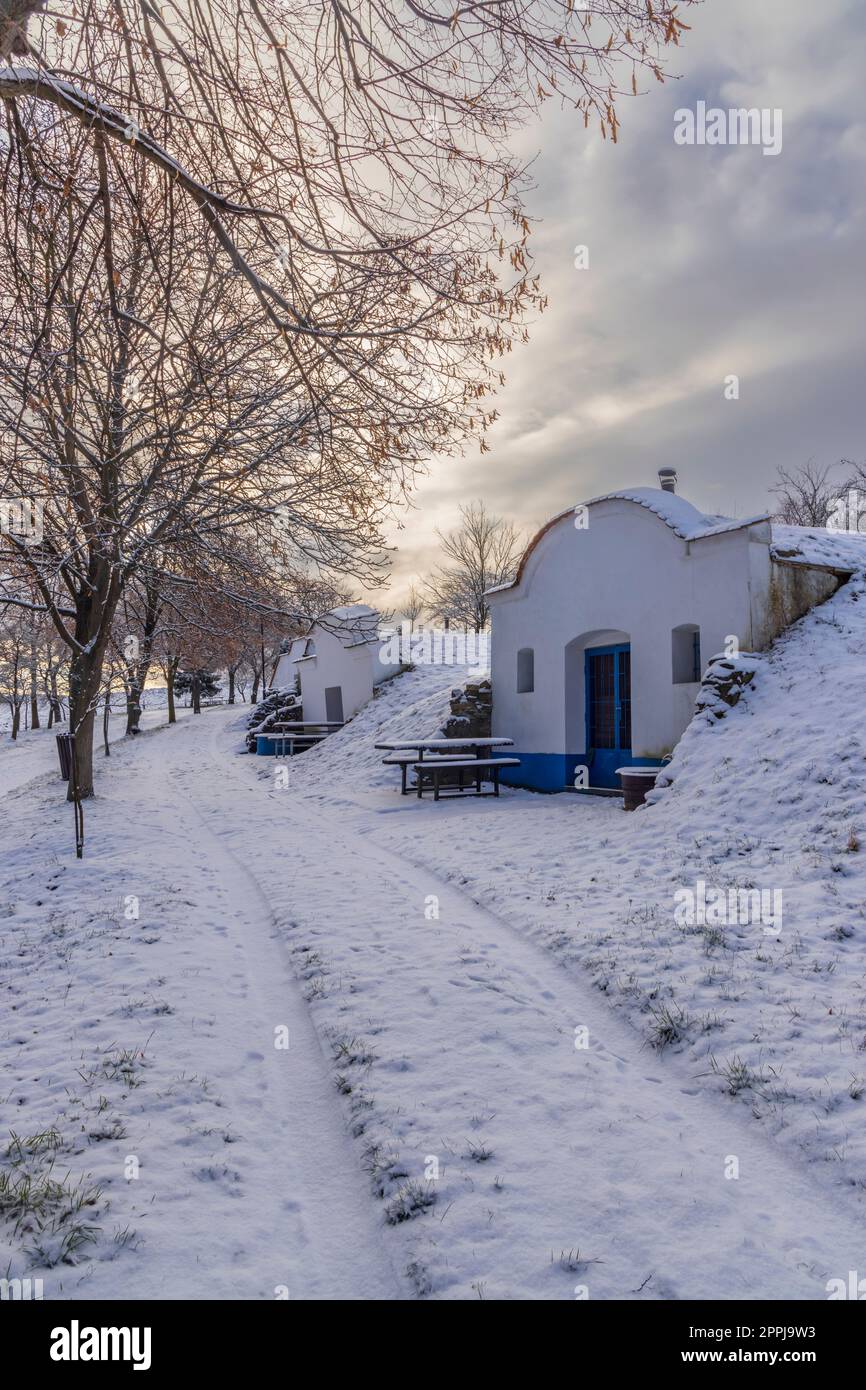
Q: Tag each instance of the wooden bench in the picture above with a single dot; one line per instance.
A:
(403, 761)
(414, 750)
(406, 760)
(480, 769)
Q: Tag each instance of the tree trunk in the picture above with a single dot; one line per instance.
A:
(254, 698)
(196, 694)
(137, 672)
(95, 607)
(170, 670)
(231, 685)
(82, 762)
(133, 700)
(85, 681)
(34, 692)
(106, 715)
(54, 704)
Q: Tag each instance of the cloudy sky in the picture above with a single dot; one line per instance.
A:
(704, 261)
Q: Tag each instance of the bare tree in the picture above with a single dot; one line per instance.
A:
(14, 649)
(413, 606)
(139, 616)
(155, 423)
(52, 659)
(806, 494)
(365, 265)
(484, 551)
(855, 478)
(351, 161)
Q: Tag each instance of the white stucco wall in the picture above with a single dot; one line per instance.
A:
(334, 665)
(630, 575)
(355, 669)
(285, 670)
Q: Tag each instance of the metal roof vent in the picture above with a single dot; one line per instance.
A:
(668, 479)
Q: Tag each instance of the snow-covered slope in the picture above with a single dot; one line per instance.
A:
(772, 797)
(765, 1011)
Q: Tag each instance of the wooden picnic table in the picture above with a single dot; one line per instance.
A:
(443, 747)
(479, 770)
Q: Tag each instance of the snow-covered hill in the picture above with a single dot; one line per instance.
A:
(770, 1013)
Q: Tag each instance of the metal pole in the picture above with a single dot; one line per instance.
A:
(79, 809)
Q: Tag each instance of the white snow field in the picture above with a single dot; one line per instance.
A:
(35, 750)
(511, 1072)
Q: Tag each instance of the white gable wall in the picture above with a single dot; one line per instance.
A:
(354, 668)
(334, 665)
(627, 577)
(285, 670)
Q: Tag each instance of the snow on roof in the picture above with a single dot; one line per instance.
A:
(681, 516)
(352, 610)
(355, 624)
(815, 545)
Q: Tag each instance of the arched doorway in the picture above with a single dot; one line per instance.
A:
(598, 703)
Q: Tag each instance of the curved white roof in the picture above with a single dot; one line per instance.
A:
(352, 610)
(681, 516)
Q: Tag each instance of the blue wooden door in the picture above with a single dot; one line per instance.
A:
(608, 712)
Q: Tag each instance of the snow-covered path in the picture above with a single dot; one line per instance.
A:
(307, 1214)
(154, 1042)
(34, 753)
(604, 1149)
(510, 1162)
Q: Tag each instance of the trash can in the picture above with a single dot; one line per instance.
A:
(66, 750)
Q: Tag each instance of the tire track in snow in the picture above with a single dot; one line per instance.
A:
(608, 1149)
(315, 1229)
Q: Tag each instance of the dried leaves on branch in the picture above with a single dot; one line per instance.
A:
(353, 161)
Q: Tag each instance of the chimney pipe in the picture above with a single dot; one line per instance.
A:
(668, 479)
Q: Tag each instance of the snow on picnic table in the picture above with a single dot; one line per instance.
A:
(511, 1073)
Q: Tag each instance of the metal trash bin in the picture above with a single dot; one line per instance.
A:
(66, 751)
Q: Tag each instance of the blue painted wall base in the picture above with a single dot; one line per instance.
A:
(554, 772)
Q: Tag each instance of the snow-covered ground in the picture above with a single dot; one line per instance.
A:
(35, 750)
(513, 1070)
